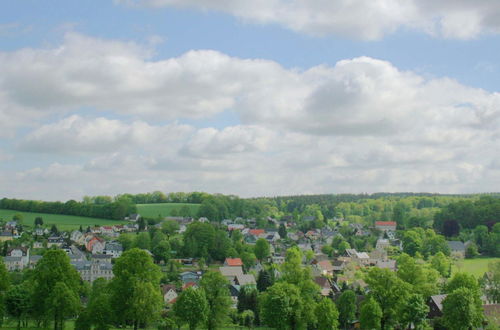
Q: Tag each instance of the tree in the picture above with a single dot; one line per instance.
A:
(161, 251)
(262, 249)
(143, 241)
(54, 269)
(249, 260)
(170, 227)
(62, 303)
(471, 251)
(54, 230)
(18, 302)
(217, 294)
(389, 291)
(442, 264)
(491, 282)
(414, 312)
(248, 300)
(281, 306)
(38, 221)
(127, 241)
(99, 305)
(191, 307)
(342, 247)
(370, 314)
(135, 285)
(199, 239)
(282, 231)
(265, 279)
(423, 278)
(468, 281)
(347, 308)
(460, 311)
(18, 217)
(327, 315)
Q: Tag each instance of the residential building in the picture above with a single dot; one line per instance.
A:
(386, 225)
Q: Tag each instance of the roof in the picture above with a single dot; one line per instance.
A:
(323, 282)
(385, 223)
(167, 287)
(246, 279)
(326, 265)
(234, 262)
(231, 271)
(189, 285)
(438, 300)
(256, 232)
(456, 245)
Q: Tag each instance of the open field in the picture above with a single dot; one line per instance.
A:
(165, 209)
(476, 267)
(63, 222)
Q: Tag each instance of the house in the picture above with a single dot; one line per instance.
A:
(457, 248)
(6, 236)
(325, 267)
(95, 245)
(13, 263)
(187, 277)
(169, 293)
(101, 258)
(271, 237)
(55, 241)
(435, 304)
(133, 217)
(338, 266)
(245, 280)
(34, 259)
(386, 264)
(277, 259)
(21, 252)
(230, 273)
(235, 226)
(382, 244)
(361, 257)
(77, 237)
(233, 262)
(386, 225)
(113, 248)
(234, 291)
(107, 230)
(90, 271)
(256, 232)
(38, 231)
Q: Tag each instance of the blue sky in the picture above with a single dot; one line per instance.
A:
(277, 97)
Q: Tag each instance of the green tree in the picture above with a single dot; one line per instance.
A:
(265, 279)
(442, 264)
(471, 251)
(18, 302)
(143, 241)
(346, 305)
(38, 221)
(342, 247)
(262, 249)
(281, 306)
(161, 251)
(414, 312)
(62, 304)
(191, 307)
(135, 293)
(460, 311)
(127, 241)
(491, 282)
(370, 315)
(423, 278)
(282, 231)
(327, 315)
(53, 269)
(170, 227)
(217, 294)
(99, 305)
(389, 291)
(249, 260)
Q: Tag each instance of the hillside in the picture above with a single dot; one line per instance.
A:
(63, 222)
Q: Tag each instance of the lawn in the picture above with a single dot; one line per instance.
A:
(63, 222)
(476, 267)
(165, 209)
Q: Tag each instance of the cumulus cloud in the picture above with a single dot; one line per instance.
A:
(365, 19)
(362, 125)
(76, 134)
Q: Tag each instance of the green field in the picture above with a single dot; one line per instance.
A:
(476, 267)
(63, 222)
(165, 209)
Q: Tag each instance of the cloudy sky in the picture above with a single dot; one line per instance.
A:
(255, 98)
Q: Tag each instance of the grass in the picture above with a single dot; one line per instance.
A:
(165, 209)
(476, 267)
(63, 222)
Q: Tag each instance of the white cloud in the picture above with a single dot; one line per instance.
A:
(361, 125)
(365, 19)
(76, 134)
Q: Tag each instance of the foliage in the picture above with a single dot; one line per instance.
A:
(191, 307)
(262, 249)
(282, 306)
(460, 310)
(347, 308)
(265, 279)
(414, 311)
(327, 315)
(62, 303)
(491, 282)
(217, 294)
(370, 314)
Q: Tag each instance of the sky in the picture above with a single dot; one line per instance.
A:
(253, 98)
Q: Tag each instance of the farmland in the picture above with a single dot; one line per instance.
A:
(166, 209)
(476, 267)
(63, 222)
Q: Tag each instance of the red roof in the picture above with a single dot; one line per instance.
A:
(385, 223)
(256, 232)
(189, 285)
(234, 262)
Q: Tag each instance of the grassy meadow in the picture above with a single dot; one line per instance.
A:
(476, 267)
(63, 222)
(165, 209)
